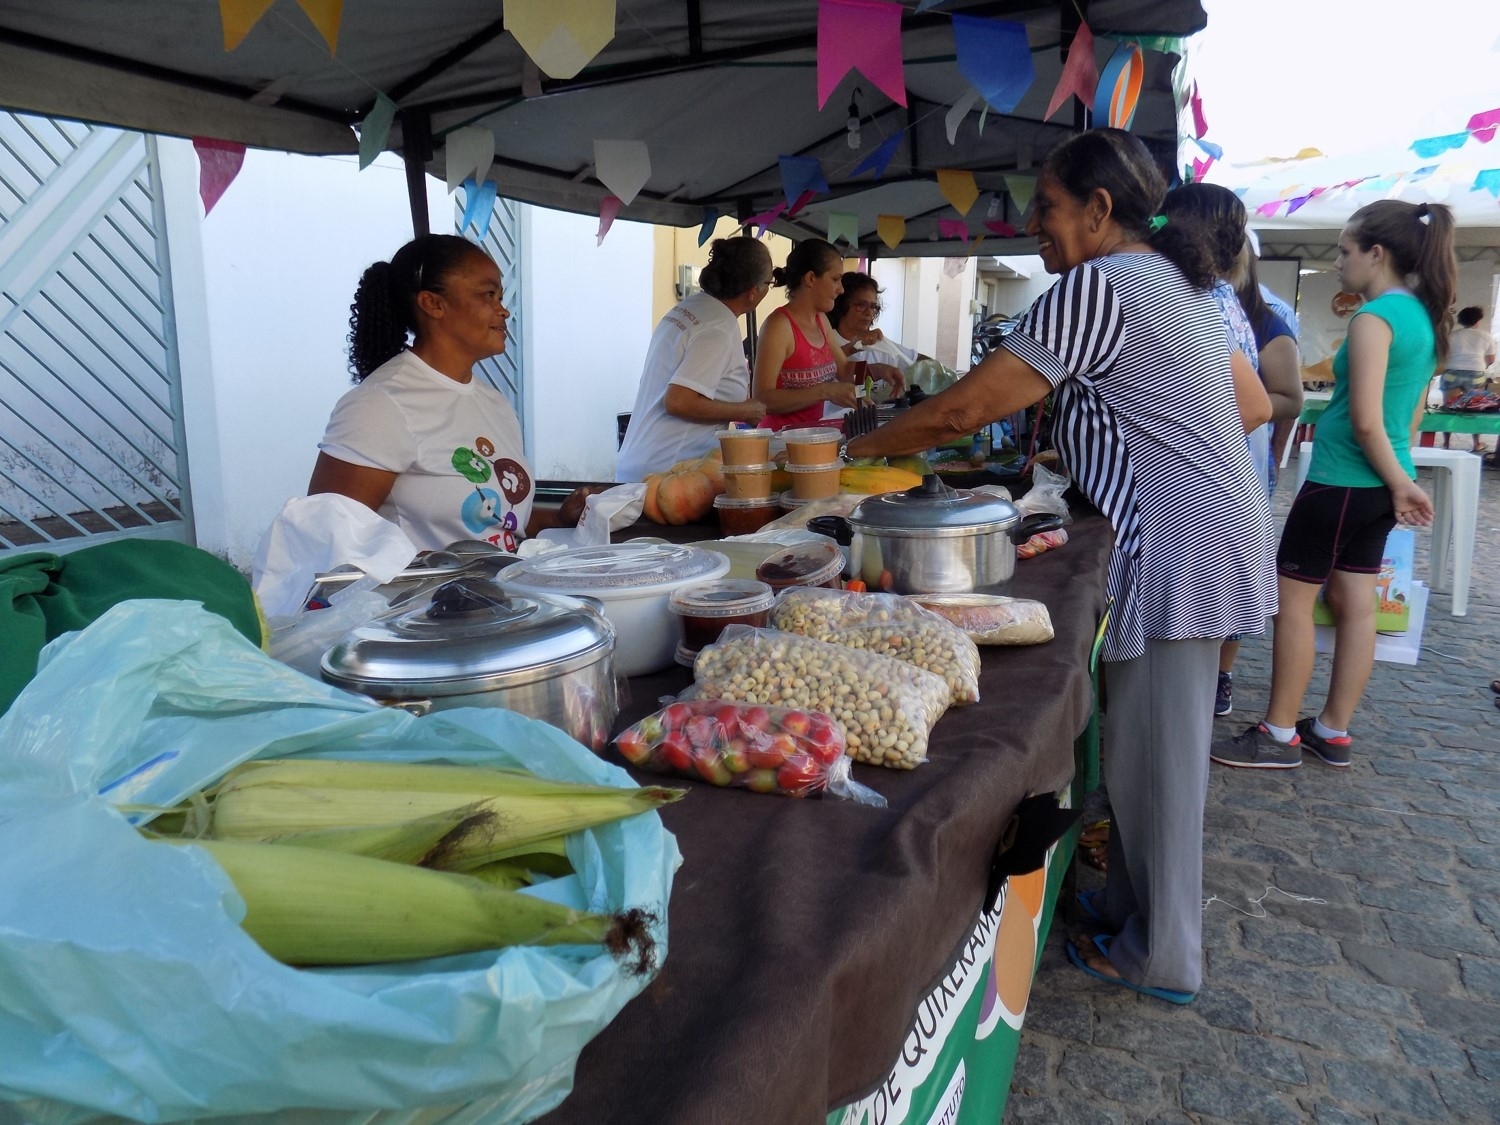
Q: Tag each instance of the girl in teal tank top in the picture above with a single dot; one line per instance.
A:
(1399, 258)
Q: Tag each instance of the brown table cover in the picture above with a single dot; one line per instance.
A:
(803, 933)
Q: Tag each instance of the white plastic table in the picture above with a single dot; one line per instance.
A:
(1455, 503)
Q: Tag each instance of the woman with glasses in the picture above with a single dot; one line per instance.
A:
(853, 317)
(696, 380)
(420, 440)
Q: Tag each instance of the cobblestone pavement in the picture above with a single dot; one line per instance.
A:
(1352, 968)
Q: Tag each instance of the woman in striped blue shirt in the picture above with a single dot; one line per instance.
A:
(1151, 414)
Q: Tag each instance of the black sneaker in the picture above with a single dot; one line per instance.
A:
(1331, 751)
(1224, 695)
(1256, 749)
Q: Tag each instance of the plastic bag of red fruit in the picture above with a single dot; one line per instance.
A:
(745, 745)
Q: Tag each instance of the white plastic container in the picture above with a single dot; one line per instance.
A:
(633, 582)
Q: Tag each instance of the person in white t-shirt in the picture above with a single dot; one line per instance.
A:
(419, 439)
(696, 380)
(1470, 351)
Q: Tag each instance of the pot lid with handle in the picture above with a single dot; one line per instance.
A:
(933, 508)
(470, 635)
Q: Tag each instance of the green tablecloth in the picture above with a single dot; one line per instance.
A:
(1433, 421)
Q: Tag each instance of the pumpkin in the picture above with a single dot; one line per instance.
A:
(685, 492)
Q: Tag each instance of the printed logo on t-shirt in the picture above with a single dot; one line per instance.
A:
(487, 514)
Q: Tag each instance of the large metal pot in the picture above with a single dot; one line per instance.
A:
(933, 539)
(473, 644)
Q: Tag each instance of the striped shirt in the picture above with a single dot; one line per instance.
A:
(1146, 421)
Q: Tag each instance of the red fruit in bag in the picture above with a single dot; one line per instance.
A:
(769, 752)
(633, 747)
(762, 781)
(728, 718)
(796, 723)
(674, 753)
(800, 773)
(824, 742)
(736, 759)
(702, 733)
(756, 718)
(676, 716)
(712, 770)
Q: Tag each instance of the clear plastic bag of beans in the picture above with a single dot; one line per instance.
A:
(884, 706)
(888, 624)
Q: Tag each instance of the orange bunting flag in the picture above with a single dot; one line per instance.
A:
(1080, 74)
(891, 228)
(240, 16)
(958, 188)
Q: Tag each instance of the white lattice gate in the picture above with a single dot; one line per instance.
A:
(91, 435)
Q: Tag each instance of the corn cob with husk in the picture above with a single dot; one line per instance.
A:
(311, 906)
(449, 817)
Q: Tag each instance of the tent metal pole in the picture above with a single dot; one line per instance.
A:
(416, 151)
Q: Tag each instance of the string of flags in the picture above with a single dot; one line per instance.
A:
(1481, 128)
(561, 37)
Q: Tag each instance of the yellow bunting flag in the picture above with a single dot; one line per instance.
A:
(238, 17)
(325, 16)
(561, 36)
(891, 228)
(958, 188)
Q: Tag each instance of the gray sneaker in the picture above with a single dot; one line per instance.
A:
(1256, 749)
(1331, 751)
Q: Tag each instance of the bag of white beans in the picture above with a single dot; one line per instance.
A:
(888, 624)
(884, 706)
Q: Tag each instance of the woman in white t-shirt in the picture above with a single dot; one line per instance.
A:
(1470, 351)
(419, 439)
(853, 319)
(696, 380)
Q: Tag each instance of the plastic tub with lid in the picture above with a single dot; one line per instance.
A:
(812, 445)
(745, 447)
(633, 582)
(748, 482)
(741, 517)
(806, 564)
(708, 608)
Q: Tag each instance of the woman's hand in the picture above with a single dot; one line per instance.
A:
(871, 338)
(1413, 506)
(571, 509)
(889, 375)
(840, 393)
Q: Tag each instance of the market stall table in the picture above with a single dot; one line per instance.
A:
(814, 944)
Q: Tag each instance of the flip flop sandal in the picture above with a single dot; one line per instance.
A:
(1102, 943)
(1088, 902)
(1093, 845)
(1495, 686)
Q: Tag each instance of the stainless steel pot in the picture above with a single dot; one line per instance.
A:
(472, 644)
(933, 539)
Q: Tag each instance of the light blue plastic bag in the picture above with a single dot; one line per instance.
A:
(128, 988)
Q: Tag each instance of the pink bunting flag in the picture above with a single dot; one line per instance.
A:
(1195, 100)
(864, 34)
(763, 221)
(219, 163)
(1483, 125)
(1080, 74)
(954, 228)
(802, 201)
(1004, 230)
(609, 210)
(1200, 168)
(1268, 209)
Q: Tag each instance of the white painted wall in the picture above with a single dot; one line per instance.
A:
(262, 295)
(588, 312)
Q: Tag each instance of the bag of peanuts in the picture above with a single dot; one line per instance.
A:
(746, 745)
(889, 624)
(884, 706)
(989, 619)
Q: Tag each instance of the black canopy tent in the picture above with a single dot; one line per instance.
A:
(718, 90)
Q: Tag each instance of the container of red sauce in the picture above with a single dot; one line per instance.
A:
(707, 609)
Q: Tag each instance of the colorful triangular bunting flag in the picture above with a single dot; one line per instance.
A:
(561, 36)
(995, 56)
(219, 162)
(864, 34)
(1080, 74)
(609, 210)
(958, 188)
(375, 130)
(891, 228)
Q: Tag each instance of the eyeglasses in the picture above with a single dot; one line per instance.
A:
(867, 306)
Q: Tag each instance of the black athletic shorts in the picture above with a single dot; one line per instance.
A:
(1334, 528)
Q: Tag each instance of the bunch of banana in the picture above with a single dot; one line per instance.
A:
(353, 862)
